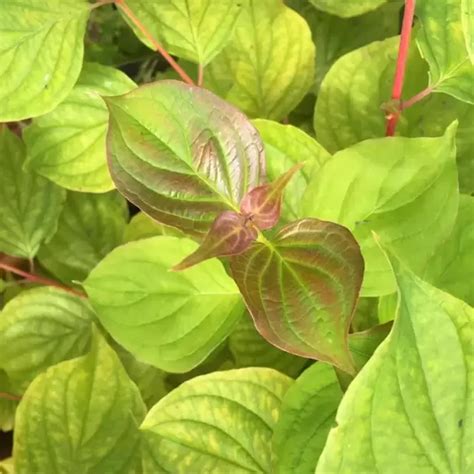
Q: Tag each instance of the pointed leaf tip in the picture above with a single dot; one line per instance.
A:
(263, 203)
(230, 234)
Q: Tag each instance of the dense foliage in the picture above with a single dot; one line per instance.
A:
(237, 236)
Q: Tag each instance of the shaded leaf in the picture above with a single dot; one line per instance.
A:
(172, 321)
(286, 146)
(41, 54)
(442, 43)
(230, 234)
(250, 349)
(409, 198)
(219, 422)
(92, 411)
(307, 414)
(142, 226)
(89, 227)
(467, 18)
(347, 8)
(417, 384)
(182, 154)
(29, 204)
(196, 30)
(39, 328)
(262, 205)
(7, 407)
(67, 145)
(302, 287)
(268, 66)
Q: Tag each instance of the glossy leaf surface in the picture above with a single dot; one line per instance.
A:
(417, 383)
(302, 287)
(29, 204)
(68, 144)
(268, 66)
(170, 320)
(181, 154)
(42, 45)
(219, 422)
(92, 411)
(89, 227)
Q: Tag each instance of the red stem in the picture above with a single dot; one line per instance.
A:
(126, 9)
(9, 396)
(405, 35)
(39, 279)
(416, 98)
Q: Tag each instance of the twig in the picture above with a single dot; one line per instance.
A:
(39, 279)
(9, 396)
(405, 35)
(126, 10)
(200, 80)
(100, 3)
(416, 98)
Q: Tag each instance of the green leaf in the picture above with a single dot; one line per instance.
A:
(302, 287)
(452, 267)
(29, 204)
(409, 198)
(6, 466)
(307, 414)
(220, 422)
(268, 67)
(40, 54)
(250, 349)
(409, 410)
(142, 226)
(347, 8)
(365, 315)
(81, 413)
(442, 43)
(89, 227)
(349, 107)
(7, 407)
(467, 18)
(181, 154)
(196, 31)
(41, 327)
(68, 144)
(286, 146)
(172, 321)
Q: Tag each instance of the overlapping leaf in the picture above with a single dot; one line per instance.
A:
(443, 44)
(347, 8)
(220, 422)
(29, 204)
(170, 320)
(196, 30)
(89, 227)
(42, 45)
(409, 197)
(467, 18)
(268, 66)
(302, 287)
(39, 328)
(181, 154)
(68, 144)
(91, 411)
(142, 226)
(417, 384)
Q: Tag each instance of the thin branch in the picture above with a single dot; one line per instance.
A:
(39, 279)
(416, 98)
(126, 10)
(200, 80)
(100, 3)
(9, 396)
(403, 49)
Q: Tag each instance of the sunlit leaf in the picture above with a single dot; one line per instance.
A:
(220, 422)
(142, 226)
(42, 45)
(68, 144)
(302, 287)
(409, 197)
(91, 411)
(230, 234)
(29, 204)
(89, 227)
(268, 66)
(181, 154)
(409, 409)
(347, 8)
(467, 18)
(170, 320)
(7, 406)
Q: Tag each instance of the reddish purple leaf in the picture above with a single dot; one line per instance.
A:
(230, 234)
(302, 288)
(263, 203)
